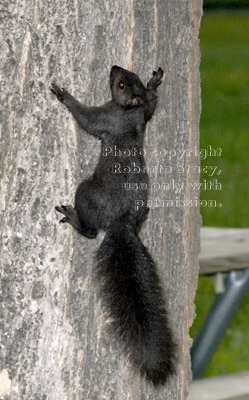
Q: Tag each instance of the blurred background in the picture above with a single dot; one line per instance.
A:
(224, 42)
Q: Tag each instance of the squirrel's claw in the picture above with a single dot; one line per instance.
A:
(59, 93)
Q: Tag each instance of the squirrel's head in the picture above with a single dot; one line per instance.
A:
(126, 87)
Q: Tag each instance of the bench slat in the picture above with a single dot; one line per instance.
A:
(223, 249)
(226, 387)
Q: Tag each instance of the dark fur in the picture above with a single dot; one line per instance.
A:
(127, 275)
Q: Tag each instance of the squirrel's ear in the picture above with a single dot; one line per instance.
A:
(114, 70)
(115, 67)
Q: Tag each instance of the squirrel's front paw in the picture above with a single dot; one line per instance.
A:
(156, 79)
(61, 94)
(69, 212)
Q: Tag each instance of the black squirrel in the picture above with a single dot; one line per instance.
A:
(127, 276)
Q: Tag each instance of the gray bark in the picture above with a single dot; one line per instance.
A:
(54, 342)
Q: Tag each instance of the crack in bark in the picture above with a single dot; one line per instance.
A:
(23, 60)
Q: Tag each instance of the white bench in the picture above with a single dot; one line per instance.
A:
(226, 387)
(223, 251)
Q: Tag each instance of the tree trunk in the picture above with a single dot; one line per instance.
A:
(54, 343)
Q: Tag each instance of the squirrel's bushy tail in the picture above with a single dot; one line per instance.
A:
(132, 296)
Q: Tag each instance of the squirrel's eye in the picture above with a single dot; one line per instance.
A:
(121, 85)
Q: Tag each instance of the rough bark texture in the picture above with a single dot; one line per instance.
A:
(54, 343)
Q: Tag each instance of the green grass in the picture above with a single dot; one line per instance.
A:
(224, 42)
(225, 114)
